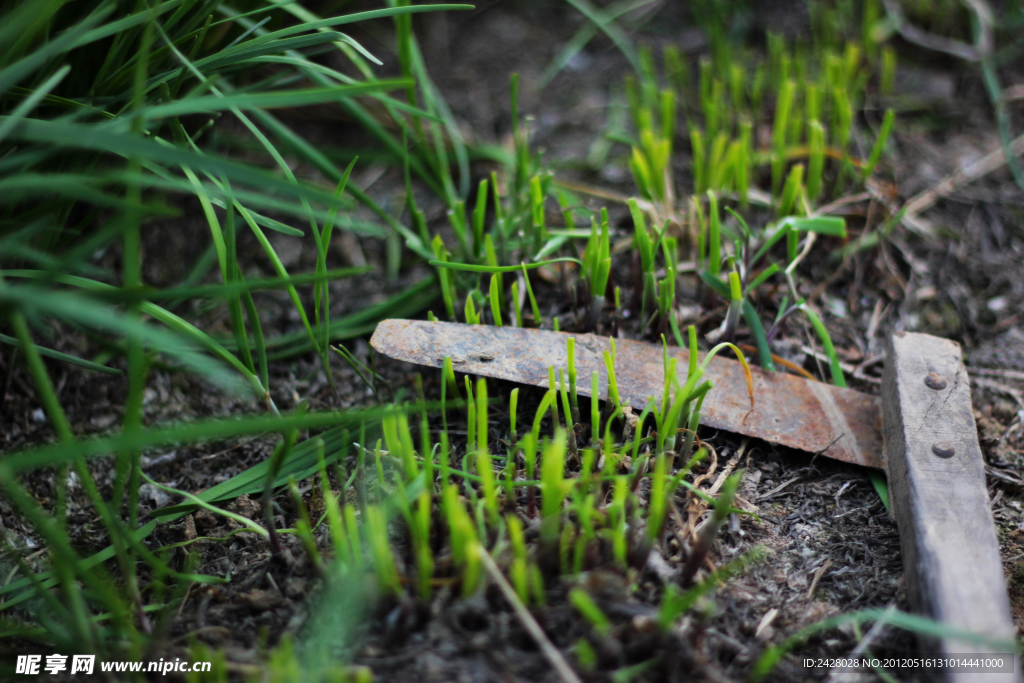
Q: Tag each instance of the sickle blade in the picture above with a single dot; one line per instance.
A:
(791, 411)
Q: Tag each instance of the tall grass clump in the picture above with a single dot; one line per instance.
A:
(107, 111)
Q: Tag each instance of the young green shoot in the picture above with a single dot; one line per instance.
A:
(569, 422)
(794, 182)
(732, 318)
(380, 550)
(484, 467)
(714, 244)
(826, 341)
(495, 299)
(876, 150)
(816, 159)
(513, 412)
(609, 364)
(517, 310)
(588, 609)
(534, 308)
(571, 361)
(646, 249)
(553, 487)
(472, 317)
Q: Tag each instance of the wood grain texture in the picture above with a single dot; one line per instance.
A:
(937, 487)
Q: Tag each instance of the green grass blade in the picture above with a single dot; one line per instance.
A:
(66, 358)
(30, 102)
(601, 19)
(474, 268)
(268, 100)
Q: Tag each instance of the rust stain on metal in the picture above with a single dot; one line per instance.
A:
(810, 416)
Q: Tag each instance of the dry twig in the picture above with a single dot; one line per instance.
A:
(548, 649)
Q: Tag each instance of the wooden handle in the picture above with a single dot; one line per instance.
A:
(937, 487)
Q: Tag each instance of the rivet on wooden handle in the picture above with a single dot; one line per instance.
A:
(937, 486)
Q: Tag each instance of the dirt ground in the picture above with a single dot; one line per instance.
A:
(830, 547)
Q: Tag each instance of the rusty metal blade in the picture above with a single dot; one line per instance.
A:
(810, 416)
